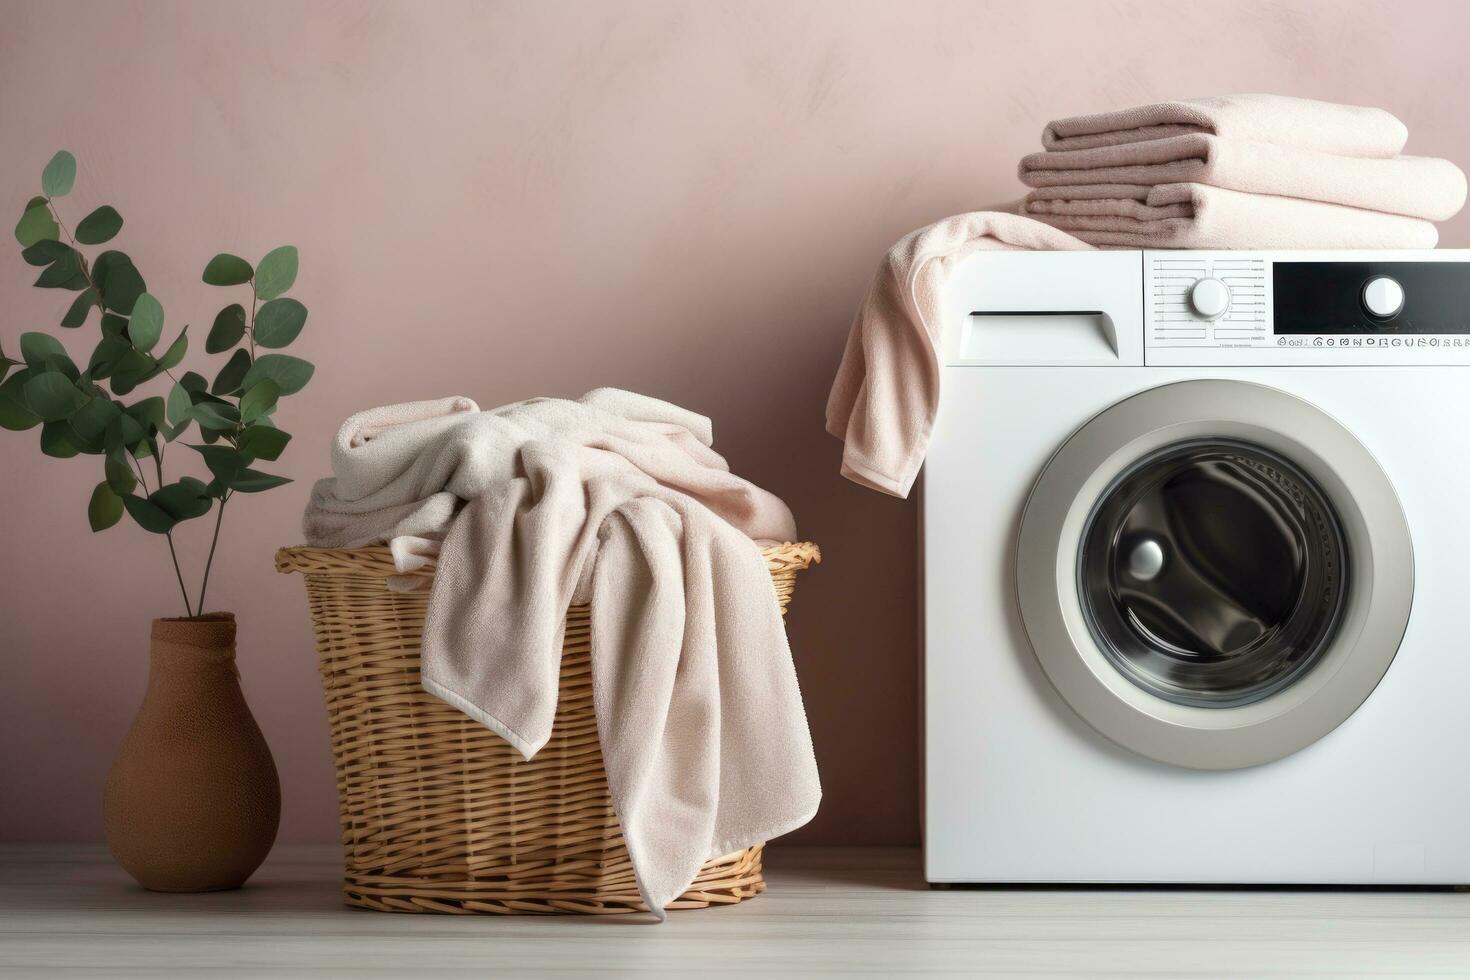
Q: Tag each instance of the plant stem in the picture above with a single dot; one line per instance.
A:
(139, 467)
(209, 562)
(177, 573)
(158, 466)
(254, 300)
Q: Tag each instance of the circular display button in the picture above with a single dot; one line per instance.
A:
(1383, 297)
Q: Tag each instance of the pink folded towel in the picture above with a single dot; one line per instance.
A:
(1421, 187)
(1355, 131)
(886, 393)
(1200, 216)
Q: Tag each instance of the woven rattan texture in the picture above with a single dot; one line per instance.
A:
(438, 813)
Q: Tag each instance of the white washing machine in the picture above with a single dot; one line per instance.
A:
(1196, 564)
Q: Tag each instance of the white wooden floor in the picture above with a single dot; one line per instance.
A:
(69, 912)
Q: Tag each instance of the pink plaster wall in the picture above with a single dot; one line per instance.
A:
(511, 199)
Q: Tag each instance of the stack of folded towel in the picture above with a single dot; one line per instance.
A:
(1241, 171)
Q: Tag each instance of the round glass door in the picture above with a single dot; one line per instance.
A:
(1212, 573)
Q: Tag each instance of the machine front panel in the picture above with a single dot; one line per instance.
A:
(1306, 308)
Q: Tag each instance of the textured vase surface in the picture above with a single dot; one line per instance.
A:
(193, 800)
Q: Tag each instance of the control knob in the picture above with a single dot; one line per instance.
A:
(1210, 298)
(1383, 297)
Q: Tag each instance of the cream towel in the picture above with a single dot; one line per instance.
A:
(1421, 187)
(886, 392)
(1199, 216)
(617, 500)
(1355, 131)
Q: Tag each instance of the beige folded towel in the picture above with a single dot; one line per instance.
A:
(886, 392)
(618, 500)
(1422, 187)
(1199, 216)
(1355, 131)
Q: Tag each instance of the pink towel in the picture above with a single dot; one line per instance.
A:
(620, 501)
(1355, 131)
(1421, 187)
(1199, 216)
(886, 393)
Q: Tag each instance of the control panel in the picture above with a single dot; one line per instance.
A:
(1208, 299)
(1306, 307)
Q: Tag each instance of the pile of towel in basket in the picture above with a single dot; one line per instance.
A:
(1234, 172)
(617, 500)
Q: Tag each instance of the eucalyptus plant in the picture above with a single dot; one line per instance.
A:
(76, 413)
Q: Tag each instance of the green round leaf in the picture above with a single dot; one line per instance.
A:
(216, 416)
(52, 396)
(229, 327)
(125, 432)
(259, 400)
(42, 352)
(231, 377)
(263, 442)
(276, 273)
(105, 508)
(44, 252)
(227, 270)
(130, 371)
(119, 473)
(59, 175)
(175, 352)
(65, 273)
(80, 308)
(178, 405)
(290, 373)
(15, 415)
(183, 501)
(39, 348)
(279, 322)
(36, 225)
(150, 413)
(99, 226)
(109, 352)
(89, 423)
(146, 325)
(57, 440)
(119, 280)
(223, 461)
(150, 516)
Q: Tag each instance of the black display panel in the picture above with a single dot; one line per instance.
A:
(1327, 298)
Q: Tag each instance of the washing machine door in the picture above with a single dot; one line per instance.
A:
(1214, 574)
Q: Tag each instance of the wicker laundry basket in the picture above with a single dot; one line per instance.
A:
(441, 815)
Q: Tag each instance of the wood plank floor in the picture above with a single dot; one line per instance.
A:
(68, 912)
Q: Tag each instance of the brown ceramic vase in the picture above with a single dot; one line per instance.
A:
(193, 800)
